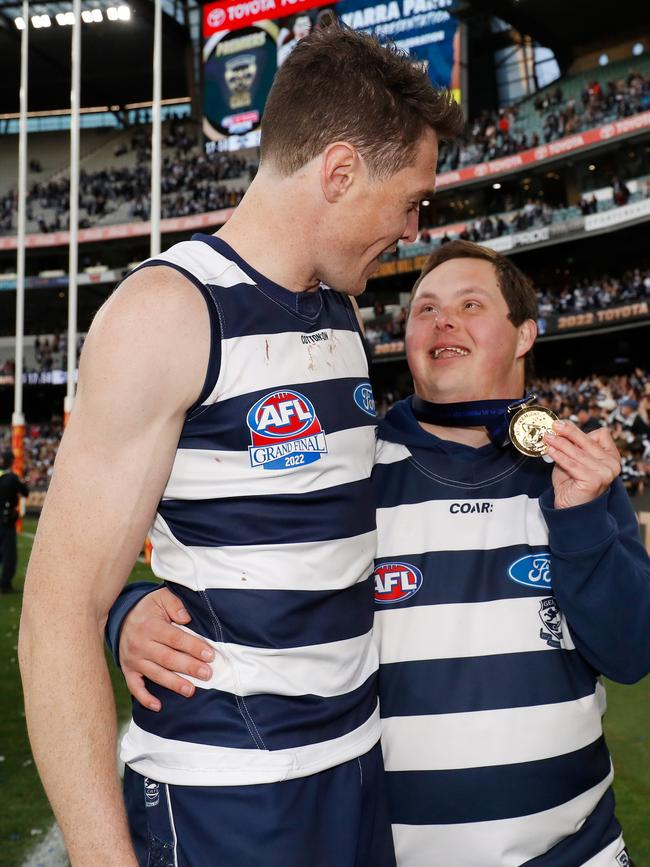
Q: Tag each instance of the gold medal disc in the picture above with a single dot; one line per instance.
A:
(527, 428)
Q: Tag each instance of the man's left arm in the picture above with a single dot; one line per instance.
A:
(601, 571)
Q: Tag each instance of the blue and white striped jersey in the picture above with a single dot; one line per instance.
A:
(266, 530)
(490, 698)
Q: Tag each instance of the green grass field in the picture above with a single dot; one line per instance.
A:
(25, 808)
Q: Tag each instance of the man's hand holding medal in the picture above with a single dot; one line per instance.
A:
(585, 463)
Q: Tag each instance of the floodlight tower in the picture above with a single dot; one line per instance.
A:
(18, 418)
(73, 262)
(156, 147)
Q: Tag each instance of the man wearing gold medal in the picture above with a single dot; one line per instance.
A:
(509, 576)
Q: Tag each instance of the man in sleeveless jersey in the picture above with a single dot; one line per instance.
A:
(505, 585)
(221, 400)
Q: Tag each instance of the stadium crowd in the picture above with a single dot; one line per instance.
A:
(495, 134)
(590, 294)
(533, 214)
(50, 353)
(620, 403)
(192, 182)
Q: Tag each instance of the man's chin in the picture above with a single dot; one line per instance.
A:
(345, 287)
(355, 290)
(359, 289)
(441, 394)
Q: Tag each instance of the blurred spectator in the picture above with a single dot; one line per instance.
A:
(629, 418)
(620, 191)
(533, 214)
(587, 418)
(588, 206)
(11, 489)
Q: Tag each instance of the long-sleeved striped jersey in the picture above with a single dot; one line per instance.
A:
(494, 616)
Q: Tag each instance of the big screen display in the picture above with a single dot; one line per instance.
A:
(244, 43)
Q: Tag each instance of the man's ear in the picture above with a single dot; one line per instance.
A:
(340, 165)
(526, 338)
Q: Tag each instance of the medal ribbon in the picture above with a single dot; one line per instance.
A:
(491, 414)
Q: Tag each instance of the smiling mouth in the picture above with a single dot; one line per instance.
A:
(448, 352)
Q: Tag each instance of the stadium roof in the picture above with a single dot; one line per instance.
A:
(571, 28)
(116, 57)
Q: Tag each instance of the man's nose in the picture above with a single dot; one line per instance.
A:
(445, 320)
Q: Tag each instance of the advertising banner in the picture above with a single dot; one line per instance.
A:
(244, 44)
(235, 15)
(597, 318)
(424, 28)
(604, 219)
(209, 219)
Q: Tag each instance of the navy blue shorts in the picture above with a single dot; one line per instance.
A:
(337, 818)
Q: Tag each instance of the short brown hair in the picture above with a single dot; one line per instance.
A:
(517, 289)
(341, 85)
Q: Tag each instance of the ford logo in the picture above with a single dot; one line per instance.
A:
(365, 399)
(533, 570)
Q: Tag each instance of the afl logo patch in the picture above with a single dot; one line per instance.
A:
(533, 570)
(365, 399)
(285, 431)
(396, 582)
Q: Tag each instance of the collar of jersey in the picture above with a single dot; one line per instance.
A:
(401, 426)
(307, 305)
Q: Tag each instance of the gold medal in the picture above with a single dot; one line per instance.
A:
(527, 428)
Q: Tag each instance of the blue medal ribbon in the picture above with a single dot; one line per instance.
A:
(494, 415)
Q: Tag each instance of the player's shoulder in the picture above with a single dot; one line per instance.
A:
(154, 330)
(152, 297)
(152, 274)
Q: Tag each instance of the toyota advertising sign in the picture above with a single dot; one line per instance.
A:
(245, 41)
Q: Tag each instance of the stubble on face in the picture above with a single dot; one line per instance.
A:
(381, 212)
